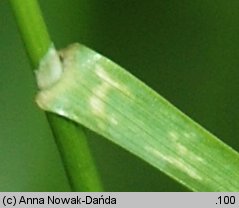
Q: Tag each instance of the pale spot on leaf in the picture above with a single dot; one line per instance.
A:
(97, 106)
(177, 162)
(101, 73)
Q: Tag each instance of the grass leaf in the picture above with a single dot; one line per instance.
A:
(101, 95)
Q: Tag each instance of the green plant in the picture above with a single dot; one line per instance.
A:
(99, 94)
(71, 140)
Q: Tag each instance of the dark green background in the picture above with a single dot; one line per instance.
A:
(186, 50)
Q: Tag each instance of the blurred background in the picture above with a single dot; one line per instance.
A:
(186, 50)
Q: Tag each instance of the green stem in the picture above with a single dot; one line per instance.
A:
(32, 28)
(76, 155)
(71, 140)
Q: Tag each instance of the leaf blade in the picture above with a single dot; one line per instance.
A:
(101, 95)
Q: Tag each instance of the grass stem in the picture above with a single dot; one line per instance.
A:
(70, 139)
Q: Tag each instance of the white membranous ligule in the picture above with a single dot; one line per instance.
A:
(50, 69)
